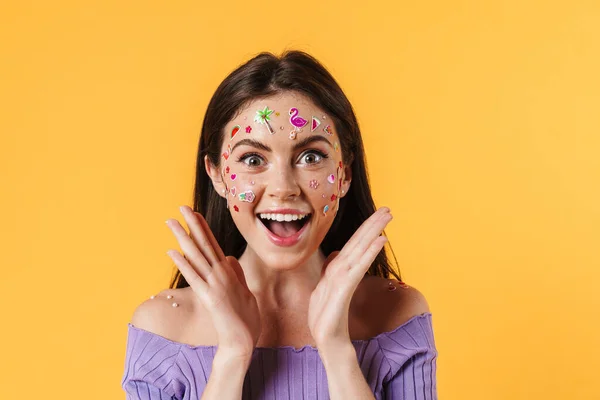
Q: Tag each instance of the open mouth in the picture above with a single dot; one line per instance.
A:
(284, 225)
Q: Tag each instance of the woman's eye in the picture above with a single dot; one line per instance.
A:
(312, 157)
(251, 160)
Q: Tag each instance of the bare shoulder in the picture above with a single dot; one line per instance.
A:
(392, 308)
(169, 314)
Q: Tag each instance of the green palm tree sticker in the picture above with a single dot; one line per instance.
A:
(263, 117)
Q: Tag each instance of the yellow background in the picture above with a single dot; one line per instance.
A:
(481, 123)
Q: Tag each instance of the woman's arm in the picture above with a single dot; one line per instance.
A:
(344, 376)
(226, 378)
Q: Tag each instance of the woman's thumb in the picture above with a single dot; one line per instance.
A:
(328, 260)
(237, 268)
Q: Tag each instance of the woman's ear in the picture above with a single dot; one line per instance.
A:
(215, 177)
(346, 180)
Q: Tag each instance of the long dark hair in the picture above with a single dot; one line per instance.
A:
(263, 76)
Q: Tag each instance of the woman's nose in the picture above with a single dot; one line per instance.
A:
(282, 184)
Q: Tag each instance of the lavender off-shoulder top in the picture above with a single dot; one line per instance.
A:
(400, 364)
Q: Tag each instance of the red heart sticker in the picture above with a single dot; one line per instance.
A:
(233, 176)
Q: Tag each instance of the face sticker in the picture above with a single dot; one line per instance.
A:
(263, 117)
(252, 182)
(248, 129)
(315, 124)
(233, 176)
(325, 209)
(227, 153)
(333, 197)
(336, 146)
(293, 135)
(247, 196)
(232, 190)
(296, 120)
(313, 184)
(236, 208)
(331, 178)
(227, 169)
(234, 131)
(277, 114)
(328, 130)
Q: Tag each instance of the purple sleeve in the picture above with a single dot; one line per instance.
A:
(416, 380)
(412, 356)
(148, 363)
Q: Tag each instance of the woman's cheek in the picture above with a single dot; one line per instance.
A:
(325, 189)
(239, 190)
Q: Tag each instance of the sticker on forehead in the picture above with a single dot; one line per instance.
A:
(263, 117)
(248, 129)
(315, 124)
(235, 130)
(247, 196)
(296, 120)
(328, 130)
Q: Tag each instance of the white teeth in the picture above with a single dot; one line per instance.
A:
(282, 217)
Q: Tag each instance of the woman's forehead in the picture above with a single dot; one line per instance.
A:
(283, 119)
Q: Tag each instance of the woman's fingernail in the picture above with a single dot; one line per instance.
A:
(181, 208)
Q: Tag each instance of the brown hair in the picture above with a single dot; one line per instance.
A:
(263, 76)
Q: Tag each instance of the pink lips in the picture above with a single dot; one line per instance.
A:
(287, 241)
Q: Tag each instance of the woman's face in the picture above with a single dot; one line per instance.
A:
(281, 171)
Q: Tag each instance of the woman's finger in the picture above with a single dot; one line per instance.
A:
(198, 235)
(190, 249)
(357, 237)
(369, 235)
(211, 236)
(371, 253)
(188, 272)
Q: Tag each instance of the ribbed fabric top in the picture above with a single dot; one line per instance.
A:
(400, 364)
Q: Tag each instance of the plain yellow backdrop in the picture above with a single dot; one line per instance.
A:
(481, 124)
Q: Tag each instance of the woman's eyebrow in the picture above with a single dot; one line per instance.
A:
(262, 146)
(311, 139)
(253, 143)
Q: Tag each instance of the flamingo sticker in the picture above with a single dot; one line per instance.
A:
(296, 120)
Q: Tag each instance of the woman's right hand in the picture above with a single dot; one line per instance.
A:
(219, 283)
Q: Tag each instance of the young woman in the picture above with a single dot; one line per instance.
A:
(283, 288)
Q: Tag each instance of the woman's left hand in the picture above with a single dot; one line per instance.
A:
(341, 274)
